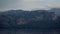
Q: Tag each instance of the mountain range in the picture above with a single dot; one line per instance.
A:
(30, 19)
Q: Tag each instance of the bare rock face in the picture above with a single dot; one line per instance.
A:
(21, 21)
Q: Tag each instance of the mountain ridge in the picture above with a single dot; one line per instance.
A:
(38, 18)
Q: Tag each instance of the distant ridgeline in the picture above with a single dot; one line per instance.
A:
(29, 19)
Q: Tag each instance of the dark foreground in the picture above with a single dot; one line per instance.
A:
(29, 31)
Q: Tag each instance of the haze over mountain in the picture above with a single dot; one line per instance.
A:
(56, 10)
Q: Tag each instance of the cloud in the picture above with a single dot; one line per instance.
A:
(28, 4)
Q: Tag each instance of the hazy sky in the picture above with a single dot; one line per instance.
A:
(28, 4)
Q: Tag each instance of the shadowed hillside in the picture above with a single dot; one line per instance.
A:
(29, 19)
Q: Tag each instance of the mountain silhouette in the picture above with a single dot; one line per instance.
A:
(29, 19)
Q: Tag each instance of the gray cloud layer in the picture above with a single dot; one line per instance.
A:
(28, 4)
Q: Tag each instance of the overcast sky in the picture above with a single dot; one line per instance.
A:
(28, 4)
